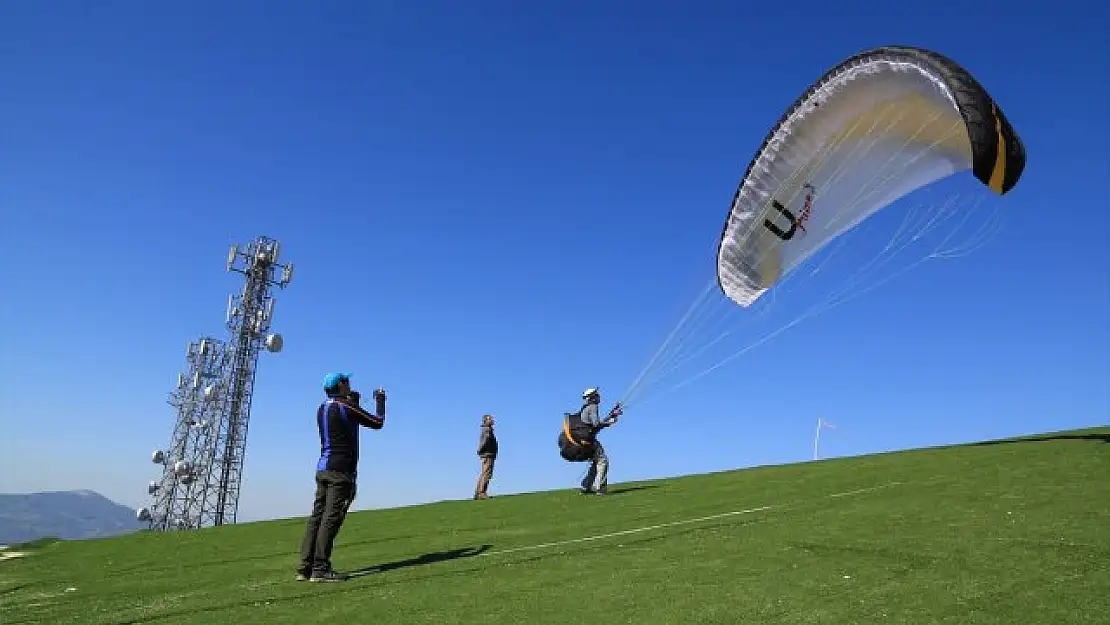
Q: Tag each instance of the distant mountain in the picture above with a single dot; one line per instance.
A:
(68, 515)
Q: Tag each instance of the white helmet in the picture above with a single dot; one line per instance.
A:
(590, 392)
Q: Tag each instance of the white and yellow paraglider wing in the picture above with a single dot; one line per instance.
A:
(870, 131)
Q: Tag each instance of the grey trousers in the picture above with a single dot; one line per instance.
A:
(599, 469)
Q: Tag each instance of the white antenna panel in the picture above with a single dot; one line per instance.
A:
(180, 380)
(231, 256)
(196, 380)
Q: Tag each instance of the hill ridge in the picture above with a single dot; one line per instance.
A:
(997, 532)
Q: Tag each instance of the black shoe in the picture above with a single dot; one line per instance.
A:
(303, 575)
(329, 576)
(586, 491)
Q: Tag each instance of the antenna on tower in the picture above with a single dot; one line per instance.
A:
(202, 468)
(231, 256)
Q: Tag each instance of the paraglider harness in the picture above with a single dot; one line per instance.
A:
(577, 440)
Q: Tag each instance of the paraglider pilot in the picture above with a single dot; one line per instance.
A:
(599, 462)
(337, 420)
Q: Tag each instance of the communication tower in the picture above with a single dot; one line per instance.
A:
(202, 469)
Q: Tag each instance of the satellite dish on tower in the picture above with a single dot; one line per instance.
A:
(274, 342)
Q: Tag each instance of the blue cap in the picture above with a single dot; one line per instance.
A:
(332, 380)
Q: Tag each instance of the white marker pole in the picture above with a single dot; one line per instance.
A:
(821, 423)
(817, 438)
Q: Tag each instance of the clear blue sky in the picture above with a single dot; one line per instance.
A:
(491, 206)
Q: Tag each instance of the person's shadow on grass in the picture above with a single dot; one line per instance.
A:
(428, 558)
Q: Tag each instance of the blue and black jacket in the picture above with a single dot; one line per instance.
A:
(338, 421)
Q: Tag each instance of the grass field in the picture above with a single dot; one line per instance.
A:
(1011, 532)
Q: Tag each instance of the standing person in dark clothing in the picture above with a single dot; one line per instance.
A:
(338, 420)
(487, 451)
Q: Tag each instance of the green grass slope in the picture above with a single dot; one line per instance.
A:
(1002, 532)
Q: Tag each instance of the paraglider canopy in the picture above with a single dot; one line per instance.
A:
(880, 126)
(871, 130)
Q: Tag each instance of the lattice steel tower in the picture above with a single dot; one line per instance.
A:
(203, 467)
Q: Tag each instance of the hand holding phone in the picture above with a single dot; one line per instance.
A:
(379, 401)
